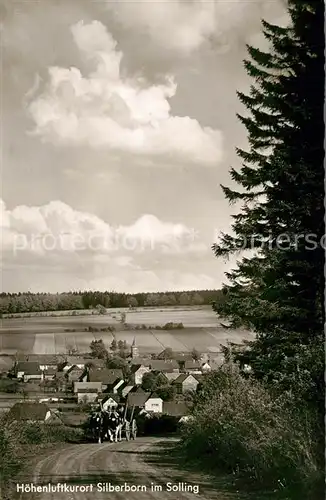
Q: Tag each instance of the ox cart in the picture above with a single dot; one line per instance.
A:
(129, 424)
(113, 425)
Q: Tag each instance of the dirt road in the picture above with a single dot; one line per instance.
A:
(144, 463)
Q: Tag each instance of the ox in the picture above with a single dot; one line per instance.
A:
(97, 426)
(113, 426)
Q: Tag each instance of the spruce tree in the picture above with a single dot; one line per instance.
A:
(278, 290)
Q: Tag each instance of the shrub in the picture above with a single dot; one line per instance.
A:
(242, 428)
(173, 326)
(168, 326)
(62, 434)
(32, 433)
(159, 423)
(10, 462)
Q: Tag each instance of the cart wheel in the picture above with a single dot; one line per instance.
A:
(127, 431)
(133, 429)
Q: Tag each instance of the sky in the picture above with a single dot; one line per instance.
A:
(118, 125)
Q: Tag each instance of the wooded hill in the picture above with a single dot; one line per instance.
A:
(39, 302)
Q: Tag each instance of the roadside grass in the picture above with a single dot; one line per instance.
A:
(20, 442)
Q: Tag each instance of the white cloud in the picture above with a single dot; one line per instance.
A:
(184, 26)
(54, 248)
(176, 25)
(107, 110)
(56, 228)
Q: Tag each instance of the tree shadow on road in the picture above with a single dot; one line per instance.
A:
(170, 458)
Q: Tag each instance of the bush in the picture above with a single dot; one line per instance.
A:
(10, 462)
(32, 433)
(240, 427)
(172, 326)
(159, 423)
(62, 434)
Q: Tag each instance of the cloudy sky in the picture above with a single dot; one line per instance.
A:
(118, 125)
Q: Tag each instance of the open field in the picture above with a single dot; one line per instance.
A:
(47, 335)
(152, 341)
(189, 316)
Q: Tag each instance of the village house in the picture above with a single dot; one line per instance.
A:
(191, 366)
(28, 370)
(96, 364)
(139, 361)
(206, 367)
(45, 361)
(154, 404)
(137, 389)
(110, 402)
(111, 379)
(158, 365)
(30, 412)
(151, 403)
(170, 376)
(87, 387)
(137, 373)
(75, 374)
(185, 382)
(78, 361)
(87, 395)
(175, 409)
(49, 373)
(125, 390)
(6, 364)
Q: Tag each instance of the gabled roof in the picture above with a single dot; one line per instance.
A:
(136, 367)
(126, 388)
(97, 363)
(180, 357)
(43, 359)
(154, 395)
(140, 361)
(138, 390)
(171, 376)
(6, 363)
(28, 367)
(87, 385)
(28, 411)
(182, 377)
(175, 409)
(106, 376)
(113, 396)
(75, 375)
(75, 369)
(137, 398)
(50, 371)
(163, 366)
(192, 365)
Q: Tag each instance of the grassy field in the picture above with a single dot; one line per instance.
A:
(47, 334)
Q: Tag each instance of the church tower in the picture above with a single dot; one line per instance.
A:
(134, 349)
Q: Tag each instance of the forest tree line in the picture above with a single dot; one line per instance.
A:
(11, 303)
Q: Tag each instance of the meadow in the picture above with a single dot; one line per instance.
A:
(49, 335)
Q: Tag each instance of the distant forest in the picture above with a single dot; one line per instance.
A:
(11, 303)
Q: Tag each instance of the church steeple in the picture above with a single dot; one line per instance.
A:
(134, 349)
